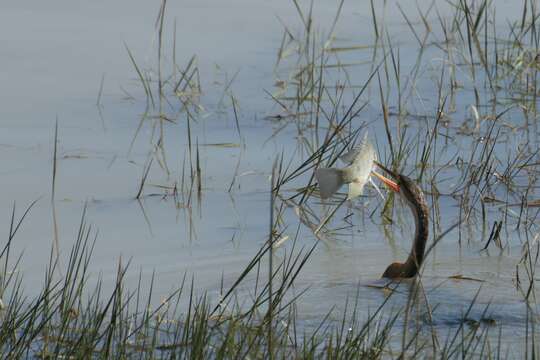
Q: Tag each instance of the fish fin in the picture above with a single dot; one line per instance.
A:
(355, 189)
(363, 147)
(350, 155)
(330, 180)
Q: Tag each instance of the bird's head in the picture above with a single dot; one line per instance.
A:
(400, 184)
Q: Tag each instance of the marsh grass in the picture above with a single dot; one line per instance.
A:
(74, 317)
(471, 158)
(488, 155)
(418, 142)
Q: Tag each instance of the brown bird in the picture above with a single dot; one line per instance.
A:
(416, 200)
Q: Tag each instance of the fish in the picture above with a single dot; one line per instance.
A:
(360, 161)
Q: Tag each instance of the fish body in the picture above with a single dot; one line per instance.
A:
(360, 160)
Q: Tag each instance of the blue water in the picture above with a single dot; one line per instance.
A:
(54, 57)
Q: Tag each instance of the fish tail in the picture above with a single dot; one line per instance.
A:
(330, 180)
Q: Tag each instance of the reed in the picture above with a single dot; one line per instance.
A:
(463, 155)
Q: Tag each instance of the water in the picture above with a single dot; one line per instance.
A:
(54, 57)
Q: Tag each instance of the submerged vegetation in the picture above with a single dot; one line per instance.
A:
(460, 119)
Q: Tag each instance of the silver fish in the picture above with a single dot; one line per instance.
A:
(357, 174)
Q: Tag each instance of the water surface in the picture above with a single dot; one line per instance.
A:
(55, 56)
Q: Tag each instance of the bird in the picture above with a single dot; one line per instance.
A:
(415, 199)
(361, 163)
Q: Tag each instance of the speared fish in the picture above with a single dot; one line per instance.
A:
(360, 162)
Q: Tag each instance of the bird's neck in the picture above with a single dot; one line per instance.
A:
(416, 257)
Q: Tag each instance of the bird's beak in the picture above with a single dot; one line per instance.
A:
(392, 185)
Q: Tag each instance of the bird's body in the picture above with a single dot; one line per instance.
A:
(416, 200)
(414, 196)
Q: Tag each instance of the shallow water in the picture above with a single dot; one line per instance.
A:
(54, 57)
